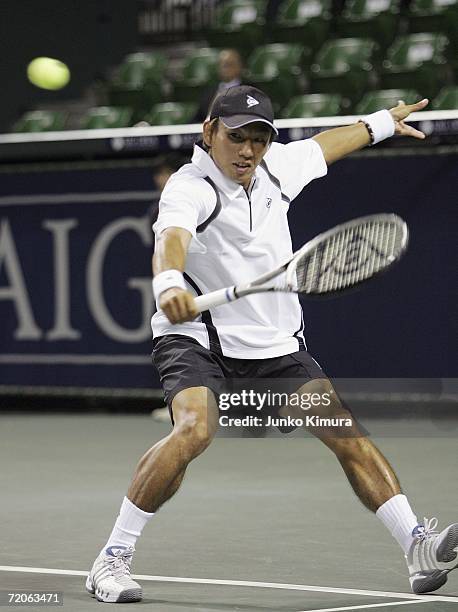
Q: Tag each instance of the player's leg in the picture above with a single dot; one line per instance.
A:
(161, 469)
(430, 556)
(369, 473)
(157, 477)
(184, 367)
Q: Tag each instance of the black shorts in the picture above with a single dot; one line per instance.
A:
(183, 363)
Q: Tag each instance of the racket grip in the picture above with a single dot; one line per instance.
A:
(215, 298)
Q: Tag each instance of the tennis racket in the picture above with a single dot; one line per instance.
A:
(337, 260)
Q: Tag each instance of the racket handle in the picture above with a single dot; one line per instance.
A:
(215, 298)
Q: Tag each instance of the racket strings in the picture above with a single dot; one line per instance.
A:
(349, 256)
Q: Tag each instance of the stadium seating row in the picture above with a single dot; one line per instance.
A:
(242, 23)
(171, 113)
(336, 57)
(351, 66)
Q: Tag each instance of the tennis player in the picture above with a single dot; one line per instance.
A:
(223, 221)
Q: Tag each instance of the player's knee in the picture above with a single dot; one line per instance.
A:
(193, 431)
(193, 439)
(321, 399)
(328, 395)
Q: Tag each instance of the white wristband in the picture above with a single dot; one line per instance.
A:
(166, 280)
(381, 125)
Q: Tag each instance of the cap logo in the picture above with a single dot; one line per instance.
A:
(250, 101)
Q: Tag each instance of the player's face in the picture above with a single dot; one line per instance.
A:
(237, 152)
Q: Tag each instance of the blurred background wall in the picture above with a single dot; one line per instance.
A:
(76, 207)
(89, 36)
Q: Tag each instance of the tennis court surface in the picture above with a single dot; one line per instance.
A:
(259, 524)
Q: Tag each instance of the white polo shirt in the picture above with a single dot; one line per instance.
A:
(235, 238)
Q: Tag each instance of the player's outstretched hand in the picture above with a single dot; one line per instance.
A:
(178, 305)
(401, 112)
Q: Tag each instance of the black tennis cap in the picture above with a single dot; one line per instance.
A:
(241, 105)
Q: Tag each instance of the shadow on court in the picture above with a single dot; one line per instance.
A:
(274, 511)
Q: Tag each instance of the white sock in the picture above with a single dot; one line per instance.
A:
(398, 517)
(128, 526)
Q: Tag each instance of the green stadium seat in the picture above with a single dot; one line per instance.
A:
(239, 24)
(344, 65)
(138, 81)
(199, 72)
(416, 61)
(41, 121)
(386, 98)
(276, 69)
(140, 68)
(375, 19)
(107, 117)
(304, 21)
(172, 113)
(446, 99)
(435, 16)
(313, 105)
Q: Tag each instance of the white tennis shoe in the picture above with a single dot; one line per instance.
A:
(109, 579)
(432, 556)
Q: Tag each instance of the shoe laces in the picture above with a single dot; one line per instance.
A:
(427, 530)
(120, 562)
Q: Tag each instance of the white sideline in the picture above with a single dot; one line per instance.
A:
(241, 583)
(366, 606)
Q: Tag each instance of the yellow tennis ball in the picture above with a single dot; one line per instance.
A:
(48, 73)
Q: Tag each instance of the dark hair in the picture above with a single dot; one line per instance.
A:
(214, 127)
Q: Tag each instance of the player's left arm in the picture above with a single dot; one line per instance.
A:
(339, 142)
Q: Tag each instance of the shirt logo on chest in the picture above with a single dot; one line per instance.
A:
(268, 202)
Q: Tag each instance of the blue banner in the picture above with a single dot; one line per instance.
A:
(75, 274)
(75, 281)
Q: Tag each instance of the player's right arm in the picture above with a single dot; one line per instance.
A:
(170, 254)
